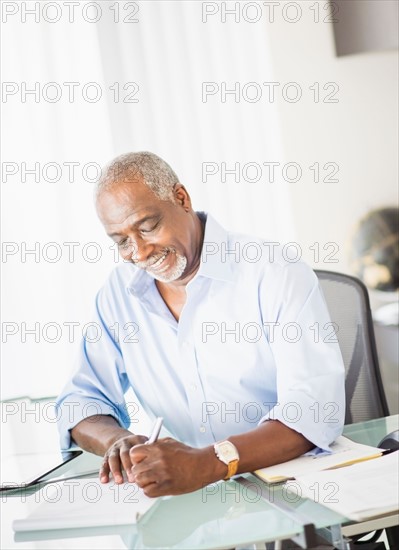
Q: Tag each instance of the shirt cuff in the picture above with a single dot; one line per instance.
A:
(321, 423)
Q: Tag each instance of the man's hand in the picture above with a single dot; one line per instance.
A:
(103, 435)
(117, 458)
(168, 467)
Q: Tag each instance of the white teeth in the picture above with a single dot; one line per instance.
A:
(158, 262)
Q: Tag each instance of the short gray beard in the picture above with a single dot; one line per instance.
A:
(174, 274)
(171, 275)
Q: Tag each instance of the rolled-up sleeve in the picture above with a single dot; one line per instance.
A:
(310, 372)
(100, 381)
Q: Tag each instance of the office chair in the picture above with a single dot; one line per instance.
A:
(349, 306)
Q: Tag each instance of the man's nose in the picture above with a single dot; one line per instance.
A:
(141, 250)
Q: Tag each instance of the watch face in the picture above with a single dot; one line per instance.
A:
(227, 452)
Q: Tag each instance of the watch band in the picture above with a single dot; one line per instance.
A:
(232, 468)
(227, 453)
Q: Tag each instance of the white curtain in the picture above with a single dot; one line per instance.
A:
(164, 61)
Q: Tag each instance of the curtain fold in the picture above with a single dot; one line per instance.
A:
(167, 56)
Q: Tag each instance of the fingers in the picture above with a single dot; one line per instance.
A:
(113, 465)
(152, 482)
(150, 479)
(143, 478)
(118, 458)
(149, 469)
(104, 471)
(138, 453)
(153, 490)
(126, 463)
(152, 475)
(114, 462)
(122, 456)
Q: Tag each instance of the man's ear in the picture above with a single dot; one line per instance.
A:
(182, 197)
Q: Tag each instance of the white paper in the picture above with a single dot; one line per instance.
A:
(359, 492)
(85, 503)
(343, 450)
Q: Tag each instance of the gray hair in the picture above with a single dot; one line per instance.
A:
(142, 166)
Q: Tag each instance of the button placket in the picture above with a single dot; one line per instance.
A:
(192, 381)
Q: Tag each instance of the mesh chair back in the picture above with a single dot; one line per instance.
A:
(348, 303)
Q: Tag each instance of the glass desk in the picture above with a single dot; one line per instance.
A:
(372, 431)
(224, 515)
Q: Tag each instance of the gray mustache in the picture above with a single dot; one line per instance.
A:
(153, 260)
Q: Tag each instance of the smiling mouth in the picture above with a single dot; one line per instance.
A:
(156, 265)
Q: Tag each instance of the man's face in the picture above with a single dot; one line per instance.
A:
(158, 236)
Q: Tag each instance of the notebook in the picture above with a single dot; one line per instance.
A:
(86, 502)
(361, 491)
(344, 453)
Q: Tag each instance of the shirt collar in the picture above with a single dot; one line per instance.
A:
(215, 260)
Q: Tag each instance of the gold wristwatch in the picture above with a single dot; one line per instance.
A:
(228, 454)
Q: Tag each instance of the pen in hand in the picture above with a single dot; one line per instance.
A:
(155, 431)
(152, 439)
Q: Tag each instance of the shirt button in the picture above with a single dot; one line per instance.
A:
(185, 344)
(193, 387)
(202, 429)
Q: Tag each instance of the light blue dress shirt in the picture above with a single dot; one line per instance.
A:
(254, 342)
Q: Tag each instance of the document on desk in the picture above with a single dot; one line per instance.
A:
(344, 452)
(86, 503)
(362, 491)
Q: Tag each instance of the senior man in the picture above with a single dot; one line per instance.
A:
(198, 325)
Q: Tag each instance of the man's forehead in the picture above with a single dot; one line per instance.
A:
(126, 215)
(120, 194)
(116, 207)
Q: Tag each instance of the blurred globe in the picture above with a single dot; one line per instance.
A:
(375, 250)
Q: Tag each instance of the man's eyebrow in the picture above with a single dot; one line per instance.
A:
(137, 223)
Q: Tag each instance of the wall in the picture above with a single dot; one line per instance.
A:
(359, 132)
